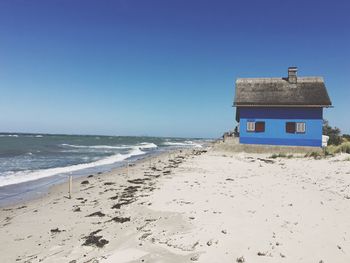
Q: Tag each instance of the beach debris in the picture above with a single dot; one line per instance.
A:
(229, 179)
(195, 257)
(224, 231)
(127, 196)
(90, 176)
(194, 245)
(261, 253)
(282, 255)
(209, 243)
(240, 260)
(114, 197)
(93, 240)
(121, 219)
(120, 204)
(130, 190)
(109, 183)
(117, 206)
(154, 168)
(77, 209)
(21, 207)
(266, 160)
(152, 175)
(56, 230)
(98, 213)
(198, 152)
(145, 235)
(85, 182)
(138, 181)
(7, 220)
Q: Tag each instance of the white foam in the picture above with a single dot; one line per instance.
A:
(146, 145)
(8, 135)
(143, 145)
(25, 176)
(97, 146)
(185, 143)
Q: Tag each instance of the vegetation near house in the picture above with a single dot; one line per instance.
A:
(337, 142)
(341, 148)
(346, 137)
(334, 134)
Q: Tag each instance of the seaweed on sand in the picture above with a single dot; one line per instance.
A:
(121, 219)
(98, 213)
(93, 240)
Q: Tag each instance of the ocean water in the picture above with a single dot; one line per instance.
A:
(31, 162)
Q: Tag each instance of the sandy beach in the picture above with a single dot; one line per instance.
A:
(197, 205)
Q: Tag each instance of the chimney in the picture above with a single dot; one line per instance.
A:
(292, 75)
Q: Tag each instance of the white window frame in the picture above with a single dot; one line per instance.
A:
(300, 127)
(250, 126)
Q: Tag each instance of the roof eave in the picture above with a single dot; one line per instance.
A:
(282, 105)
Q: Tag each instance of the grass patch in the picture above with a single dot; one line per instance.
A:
(274, 156)
(281, 155)
(333, 149)
(315, 155)
(344, 147)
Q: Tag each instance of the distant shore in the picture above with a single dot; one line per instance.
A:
(192, 205)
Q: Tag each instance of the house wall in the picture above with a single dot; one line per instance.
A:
(275, 126)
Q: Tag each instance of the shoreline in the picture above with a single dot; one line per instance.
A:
(197, 205)
(30, 190)
(53, 214)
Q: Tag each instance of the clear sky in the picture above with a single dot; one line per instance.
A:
(158, 67)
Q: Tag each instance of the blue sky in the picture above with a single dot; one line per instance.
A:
(163, 68)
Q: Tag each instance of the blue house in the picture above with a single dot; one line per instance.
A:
(281, 111)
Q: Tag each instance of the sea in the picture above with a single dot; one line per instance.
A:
(30, 163)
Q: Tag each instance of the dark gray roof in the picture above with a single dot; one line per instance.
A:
(308, 91)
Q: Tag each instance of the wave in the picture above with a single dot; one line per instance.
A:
(25, 176)
(147, 145)
(8, 135)
(143, 145)
(21, 135)
(96, 146)
(183, 144)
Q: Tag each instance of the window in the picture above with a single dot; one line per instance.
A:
(250, 126)
(258, 126)
(290, 127)
(295, 127)
(300, 127)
